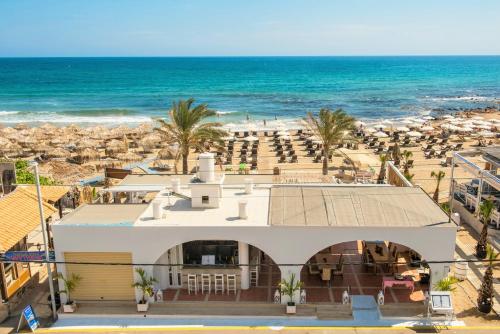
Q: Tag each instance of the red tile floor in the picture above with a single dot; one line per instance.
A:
(361, 280)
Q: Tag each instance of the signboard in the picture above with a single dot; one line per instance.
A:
(30, 317)
(27, 256)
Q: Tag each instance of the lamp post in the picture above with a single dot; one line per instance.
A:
(45, 237)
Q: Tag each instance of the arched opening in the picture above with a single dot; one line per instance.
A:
(216, 270)
(365, 268)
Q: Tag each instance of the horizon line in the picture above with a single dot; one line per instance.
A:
(265, 56)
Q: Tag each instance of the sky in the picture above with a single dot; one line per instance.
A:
(34, 28)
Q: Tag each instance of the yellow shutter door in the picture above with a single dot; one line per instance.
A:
(101, 282)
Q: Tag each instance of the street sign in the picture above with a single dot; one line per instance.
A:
(26, 256)
(30, 317)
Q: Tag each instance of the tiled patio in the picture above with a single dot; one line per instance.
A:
(359, 279)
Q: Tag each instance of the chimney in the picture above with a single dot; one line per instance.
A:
(248, 186)
(242, 209)
(176, 185)
(157, 211)
(206, 171)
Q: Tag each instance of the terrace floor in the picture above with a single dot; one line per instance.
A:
(360, 280)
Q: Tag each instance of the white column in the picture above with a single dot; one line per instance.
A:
(438, 272)
(286, 274)
(479, 192)
(243, 260)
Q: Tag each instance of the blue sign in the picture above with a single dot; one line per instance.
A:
(30, 316)
(26, 256)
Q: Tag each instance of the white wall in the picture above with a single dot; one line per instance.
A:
(285, 245)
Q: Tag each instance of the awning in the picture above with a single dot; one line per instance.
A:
(50, 194)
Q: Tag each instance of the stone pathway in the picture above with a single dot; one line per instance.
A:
(465, 249)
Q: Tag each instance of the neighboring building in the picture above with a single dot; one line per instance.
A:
(483, 183)
(244, 225)
(19, 217)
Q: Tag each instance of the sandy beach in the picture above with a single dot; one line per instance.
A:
(72, 154)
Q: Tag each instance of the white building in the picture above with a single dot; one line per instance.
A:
(224, 224)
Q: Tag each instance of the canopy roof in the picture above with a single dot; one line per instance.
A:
(50, 194)
(19, 215)
(354, 206)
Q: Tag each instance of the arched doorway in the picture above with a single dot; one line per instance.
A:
(364, 268)
(256, 274)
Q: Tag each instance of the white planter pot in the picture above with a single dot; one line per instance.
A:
(291, 309)
(142, 307)
(69, 308)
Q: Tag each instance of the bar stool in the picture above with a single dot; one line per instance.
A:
(254, 276)
(206, 283)
(192, 283)
(218, 283)
(231, 283)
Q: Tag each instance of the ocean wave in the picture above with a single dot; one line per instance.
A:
(471, 98)
(8, 112)
(99, 112)
(227, 112)
(64, 118)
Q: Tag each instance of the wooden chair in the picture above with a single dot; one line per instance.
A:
(192, 283)
(339, 270)
(231, 283)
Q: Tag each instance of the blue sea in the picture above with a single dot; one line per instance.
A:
(131, 90)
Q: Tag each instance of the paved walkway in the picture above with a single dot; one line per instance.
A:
(465, 249)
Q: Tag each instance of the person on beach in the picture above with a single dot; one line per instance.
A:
(265, 123)
(248, 117)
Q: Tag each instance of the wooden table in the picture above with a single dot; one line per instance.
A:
(390, 281)
(378, 258)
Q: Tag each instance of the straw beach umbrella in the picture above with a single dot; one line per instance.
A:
(129, 156)
(58, 153)
(88, 154)
(402, 129)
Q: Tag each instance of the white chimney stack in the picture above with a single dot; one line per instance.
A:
(176, 185)
(248, 186)
(206, 171)
(242, 208)
(157, 211)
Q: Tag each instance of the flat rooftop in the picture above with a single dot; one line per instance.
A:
(351, 206)
(178, 211)
(104, 215)
(492, 154)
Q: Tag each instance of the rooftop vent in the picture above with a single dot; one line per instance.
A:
(206, 171)
(242, 209)
(176, 185)
(157, 211)
(248, 186)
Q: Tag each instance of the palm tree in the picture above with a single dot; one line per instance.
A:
(381, 174)
(408, 176)
(439, 177)
(485, 297)
(331, 127)
(187, 129)
(406, 165)
(485, 211)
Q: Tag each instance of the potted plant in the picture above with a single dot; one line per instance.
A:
(70, 284)
(485, 298)
(446, 284)
(485, 210)
(145, 284)
(288, 288)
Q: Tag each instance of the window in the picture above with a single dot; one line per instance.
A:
(204, 199)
